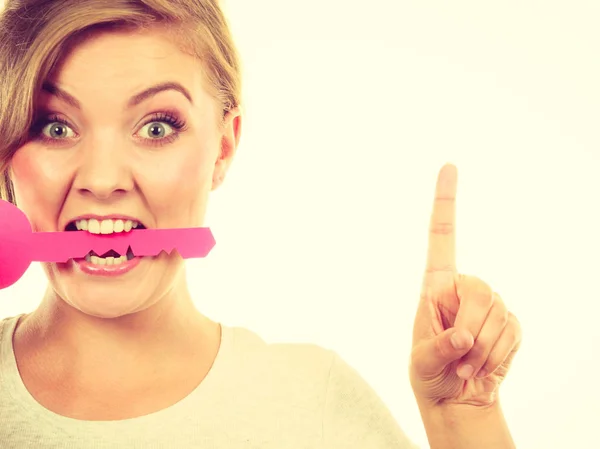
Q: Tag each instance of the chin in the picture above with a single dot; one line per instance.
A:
(112, 297)
(106, 307)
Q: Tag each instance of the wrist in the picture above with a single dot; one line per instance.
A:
(449, 409)
(463, 426)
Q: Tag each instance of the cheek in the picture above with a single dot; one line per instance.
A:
(39, 186)
(179, 181)
(184, 174)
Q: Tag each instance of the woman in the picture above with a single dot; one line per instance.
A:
(126, 113)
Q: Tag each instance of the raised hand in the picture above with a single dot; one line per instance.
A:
(464, 338)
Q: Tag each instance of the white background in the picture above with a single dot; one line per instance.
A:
(351, 109)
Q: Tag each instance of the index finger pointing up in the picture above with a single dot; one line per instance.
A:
(441, 252)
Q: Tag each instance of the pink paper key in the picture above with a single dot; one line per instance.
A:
(19, 246)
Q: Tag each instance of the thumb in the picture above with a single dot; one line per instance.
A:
(433, 355)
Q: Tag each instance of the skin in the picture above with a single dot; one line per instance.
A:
(113, 348)
(132, 333)
(460, 306)
(464, 342)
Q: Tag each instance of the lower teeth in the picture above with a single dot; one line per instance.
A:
(106, 260)
(92, 257)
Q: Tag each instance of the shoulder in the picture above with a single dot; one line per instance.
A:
(312, 377)
(7, 361)
(292, 375)
(305, 363)
(249, 343)
(302, 362)
(355, 416)
(7, 326)
(10, 319)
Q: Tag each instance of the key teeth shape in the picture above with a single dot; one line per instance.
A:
(122, 249)
(104, 247)
(60, 246)
(153, 252)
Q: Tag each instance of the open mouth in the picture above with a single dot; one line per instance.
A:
(106, 227)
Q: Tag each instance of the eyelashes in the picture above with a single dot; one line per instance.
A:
(176, 124)
(161, 128)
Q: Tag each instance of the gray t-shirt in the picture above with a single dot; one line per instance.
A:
(256, 396)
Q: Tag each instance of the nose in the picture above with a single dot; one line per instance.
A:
(103, 172)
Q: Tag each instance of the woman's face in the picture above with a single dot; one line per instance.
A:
(110, 148)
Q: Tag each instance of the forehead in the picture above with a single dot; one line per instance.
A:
(120, 62)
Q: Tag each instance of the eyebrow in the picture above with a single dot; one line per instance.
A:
(133, 101)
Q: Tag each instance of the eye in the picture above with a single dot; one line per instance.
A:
(162, 128)
(156, 130)
(57, 130)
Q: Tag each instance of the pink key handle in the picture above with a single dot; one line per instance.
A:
(19, 246)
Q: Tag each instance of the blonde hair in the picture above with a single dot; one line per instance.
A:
(34, 34)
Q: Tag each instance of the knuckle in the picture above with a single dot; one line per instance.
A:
(509, 333)
(483, 296)
(513, 330)
(512, 325)
(439, 270)
(441, 228)
(479, 291)
(499, 315)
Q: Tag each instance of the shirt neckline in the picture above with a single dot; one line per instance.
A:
(11, 379)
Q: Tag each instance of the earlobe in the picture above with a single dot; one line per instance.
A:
(217, 181)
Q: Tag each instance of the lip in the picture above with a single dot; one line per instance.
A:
(107, 270)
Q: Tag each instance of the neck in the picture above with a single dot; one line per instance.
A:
(157, 338)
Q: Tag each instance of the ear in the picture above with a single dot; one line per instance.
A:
(230, 139)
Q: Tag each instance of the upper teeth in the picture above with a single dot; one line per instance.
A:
(105, 226)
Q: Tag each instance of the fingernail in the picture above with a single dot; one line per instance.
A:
(456, 341)
(482, 373)
(466, 371)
